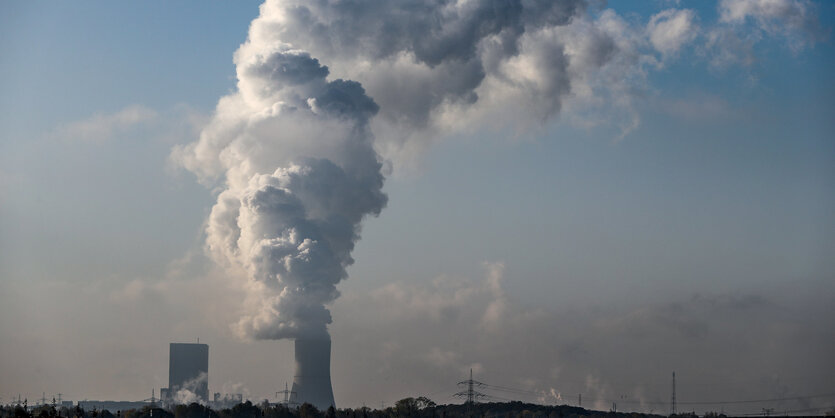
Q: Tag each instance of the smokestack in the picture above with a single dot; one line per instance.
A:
(312, 382)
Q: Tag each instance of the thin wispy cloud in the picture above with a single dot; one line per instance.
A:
(106, 126)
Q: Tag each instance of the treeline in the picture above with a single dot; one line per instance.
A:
(405, 408)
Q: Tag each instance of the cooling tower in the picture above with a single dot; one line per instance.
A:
(312, 382)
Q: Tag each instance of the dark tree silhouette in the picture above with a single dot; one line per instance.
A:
(420, 407)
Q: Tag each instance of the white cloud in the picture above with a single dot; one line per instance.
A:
(608, 66)
(101, 127)
(743, 24)
(796, 21)
(795, 13)
(726, 47)
(466, 67)
(671, 29)
(449, 299)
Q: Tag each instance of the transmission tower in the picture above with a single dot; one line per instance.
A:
(153, 399)
(288, 395)
(471, 394)
(673, 397)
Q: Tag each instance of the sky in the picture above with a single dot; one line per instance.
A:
(582, 199)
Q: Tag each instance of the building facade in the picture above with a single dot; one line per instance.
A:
(188, 373)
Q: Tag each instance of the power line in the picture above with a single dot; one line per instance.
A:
(794, 411)
(727, 402)
(677, 402)
(498, 398)
(472, 396)
(514, 390)
(791, 398)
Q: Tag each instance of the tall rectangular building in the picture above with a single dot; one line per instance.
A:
(188, 368)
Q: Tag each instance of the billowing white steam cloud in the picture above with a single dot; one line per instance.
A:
(294, 148)
(434, 65)
(187, 393)
(300, 174)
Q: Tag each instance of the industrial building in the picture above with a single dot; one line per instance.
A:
(188, 371)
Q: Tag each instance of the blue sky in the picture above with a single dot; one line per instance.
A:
(710, 219)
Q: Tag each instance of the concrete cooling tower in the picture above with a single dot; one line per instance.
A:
(312, 382)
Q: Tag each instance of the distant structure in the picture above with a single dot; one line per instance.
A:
(188, 370)
(673, 397)
(227, 400)
(111, 406)
(471, 394)
(153, 399)
(289, 396)
(312, 382)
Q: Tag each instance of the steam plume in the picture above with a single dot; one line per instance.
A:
(293, 145)
(188, 393)
(300, 174)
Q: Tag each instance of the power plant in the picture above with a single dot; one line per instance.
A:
(312, 381)
(188, 373)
